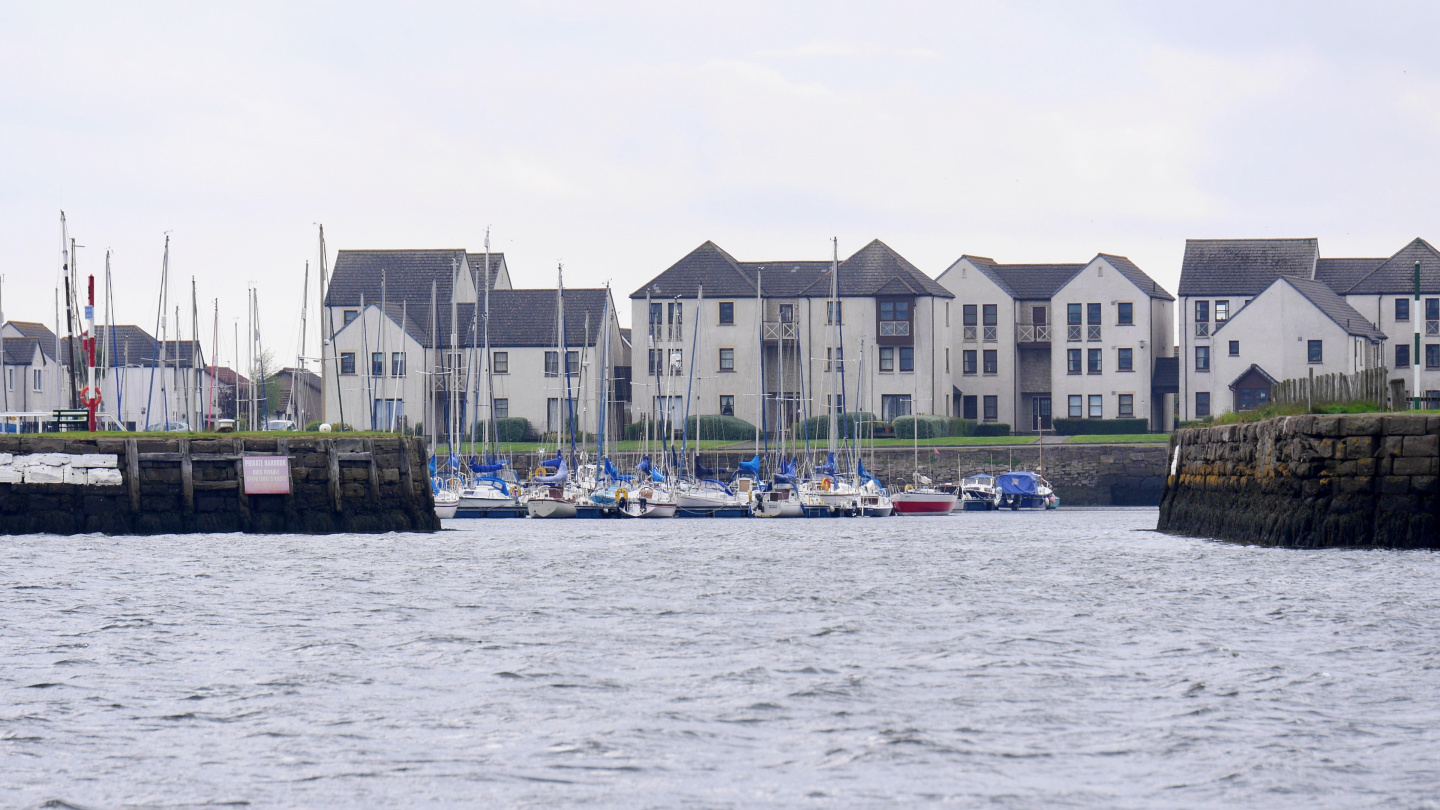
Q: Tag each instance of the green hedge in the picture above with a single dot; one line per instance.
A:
(1083, 427)
(724, 428)
(935, 427)
(848, 424)
(508, 429)
(992, 429)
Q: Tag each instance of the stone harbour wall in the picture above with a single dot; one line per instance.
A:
(1318, 481)
(113, 485)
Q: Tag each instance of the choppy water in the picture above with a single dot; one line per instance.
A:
(1008, 660)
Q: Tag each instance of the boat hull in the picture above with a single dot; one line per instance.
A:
(446, 511)
(778, 509)
(977, 504)
(923, 503)
(549, 508)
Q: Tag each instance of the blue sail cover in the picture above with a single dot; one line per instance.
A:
(1019, 483)
(701, 471)
(786, 473)
(614, 474)
(828, 468)
(863, 473)
(557, 461)
(480, 469)
(562, 473)
(751, 467)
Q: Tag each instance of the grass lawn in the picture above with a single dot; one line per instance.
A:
(1119, 438)
(956, 441)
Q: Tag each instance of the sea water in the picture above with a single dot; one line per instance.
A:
(1071, 658)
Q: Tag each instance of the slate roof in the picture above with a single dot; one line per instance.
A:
(1027, 282)
(1254, 368)
(1341, 274)
(1244, 266)
(1137, 276)
(20, 351)
(477, 266)
(875, 269)
(1328, 302)
(228, 376)
(408, 275)
(31, 329)
(133, 347)
(518, 318)
(1396, 275)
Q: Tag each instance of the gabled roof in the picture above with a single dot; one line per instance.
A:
(875, 269)
(133, 347)
(1027, 282)
(1253, 369)
(20, 351)
(1341, 274)
(228, 376)
(518, 319)
(1325, 300)
(1396, 275)
(1137, 276)
(40, 331)
(477, 267)
(408, 275)
(1244, 266)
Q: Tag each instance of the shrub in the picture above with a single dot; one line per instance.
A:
(714, 426)
(992, 429)
(313, 426)
(934, 427)
(1081, 427)
(507, 429)
(855, 425)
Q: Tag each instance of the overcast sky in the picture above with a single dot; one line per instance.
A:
(617, 139)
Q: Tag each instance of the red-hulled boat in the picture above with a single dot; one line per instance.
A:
(923, 499)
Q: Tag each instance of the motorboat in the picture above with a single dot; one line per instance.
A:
(707, 495)
(779, 500)
(829, 493)
(979, 493)
(1023, 489)
(491, 491)
(921, 498)
(446, 502)
(873, 500)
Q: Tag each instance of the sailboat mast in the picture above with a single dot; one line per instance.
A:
(832, 315)
(489, 380)
(760, 376)
(295, 386)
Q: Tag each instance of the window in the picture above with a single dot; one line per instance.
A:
(907, 358)
(1234, 348)
(552, 414)
(502, 408)
(1092, 361)
(676, 312)
(727, 359)
(834, 311)
(1402, 309)
(1202, 358)
(992, 408)
(947, 313)
(894, 318)
(1072, 361)
(727, 313)
(350, 315)
(893, 405)
(835, 354)
(657, 317)
(1402, 355)
(552, 363)
(572, 362)
(39, 380)
(1432, 309)
(1202, 311)
(947, 359)
(397, 364)
(1222, 311)
(377, 364)
(1315, 351)
(1202, 403)
(677, 361)
(1072, 314)
(10, 379)
(969, 319)
(1077, 406)
(967, 361)
(347, 362)
(968, 409)
(834, 403)
(1097, 406)
(787, 313)
(1127, 406)
(1126, 360)
(1432, 355)
(887, 358)
(387, 413)
(1092, 314)
(727, 404)
(991, 362)
(1125, 315)
(990, 315)
(500, 362)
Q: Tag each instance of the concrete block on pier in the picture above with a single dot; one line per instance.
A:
(89, 460)
(75, 476)
(10, 475)
(44, 474)
(103, 477)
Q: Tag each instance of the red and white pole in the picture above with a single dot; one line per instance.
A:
(92, 400)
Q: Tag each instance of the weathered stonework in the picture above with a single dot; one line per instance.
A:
(174, 485)
(1315, 481)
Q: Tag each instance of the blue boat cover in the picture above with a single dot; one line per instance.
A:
(562, 473)
(614, 474)
(864, 473)
(751, 467)
(786, 473)
(480, 469)
(1020, 483)
(828, 468)
(720, 484)
(701, 471)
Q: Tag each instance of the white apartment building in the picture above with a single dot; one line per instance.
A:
(1080, 341)
(1336, 315)
(880, 346)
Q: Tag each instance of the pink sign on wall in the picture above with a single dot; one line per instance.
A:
(267, 475)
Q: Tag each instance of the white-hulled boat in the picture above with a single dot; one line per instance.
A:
(921, 498)
(488, 492)
(446, 502)
(1026, 490)
(708, 494)
(874, 500)
(779, 500)
(549, 502)
(979, 493)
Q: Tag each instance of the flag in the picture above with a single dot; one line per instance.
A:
(936, 449)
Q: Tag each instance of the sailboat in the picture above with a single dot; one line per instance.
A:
(921, 497)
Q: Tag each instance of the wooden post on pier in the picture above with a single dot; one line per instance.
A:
(334, 474)
(132, 472)
(187, 477)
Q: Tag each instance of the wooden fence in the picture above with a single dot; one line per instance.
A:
(1327, 389)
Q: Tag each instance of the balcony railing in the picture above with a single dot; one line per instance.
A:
(1202, 329)
(1432, 328)
(1092, 333)
(990, 334)
(1032, 333)
(780, 330)
(969, 335)
(1072, 332)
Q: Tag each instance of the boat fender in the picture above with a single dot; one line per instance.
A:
(909, 487)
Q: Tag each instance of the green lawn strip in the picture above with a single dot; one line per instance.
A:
(1119, 438)
(956, 441)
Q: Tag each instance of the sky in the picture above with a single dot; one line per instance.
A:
(616, 137)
